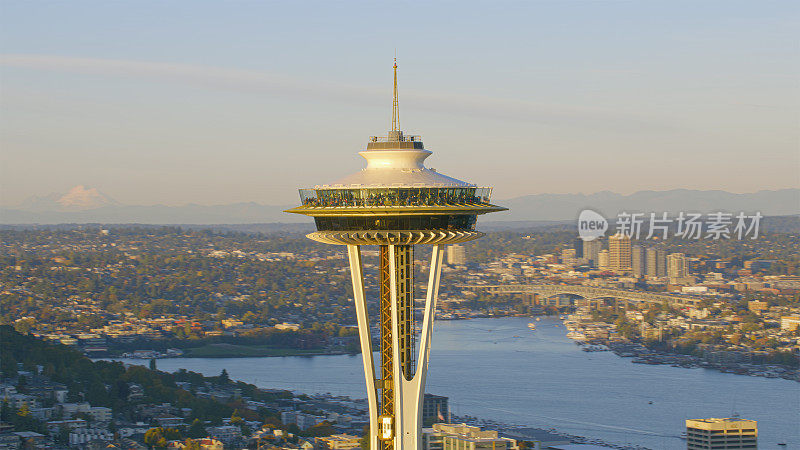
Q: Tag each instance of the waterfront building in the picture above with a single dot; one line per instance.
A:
(435, 408)
(726, 433)
(676, 266)
(395, 203)
(603, 260)
(444, 436)
(456, 255)
(619, 253)
(591, 251)
(638, 261)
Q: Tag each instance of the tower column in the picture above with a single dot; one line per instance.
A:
(365, 339)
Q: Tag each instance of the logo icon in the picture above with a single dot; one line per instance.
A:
(591, 225)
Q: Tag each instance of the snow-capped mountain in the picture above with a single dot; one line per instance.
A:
(78, 198)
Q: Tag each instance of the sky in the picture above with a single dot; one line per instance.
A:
(221, 102)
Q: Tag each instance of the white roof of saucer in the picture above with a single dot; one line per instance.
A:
(396, 168)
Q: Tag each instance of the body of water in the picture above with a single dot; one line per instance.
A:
(499, 369)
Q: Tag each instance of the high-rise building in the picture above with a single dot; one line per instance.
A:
(728, 433)
(638, 261)
(395, 203)
(456, 255)
(656, 262)
(603, 262)
(591, 250)
(578, 247)
(619, 253)
(568, 256)
(661, 257)
(676, 265)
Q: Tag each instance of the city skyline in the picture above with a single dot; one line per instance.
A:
(170, 116)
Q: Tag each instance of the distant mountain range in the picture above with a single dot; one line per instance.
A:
(88, 205)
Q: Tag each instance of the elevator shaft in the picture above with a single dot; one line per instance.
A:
(404, 285)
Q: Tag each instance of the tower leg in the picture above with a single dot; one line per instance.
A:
(362, 319)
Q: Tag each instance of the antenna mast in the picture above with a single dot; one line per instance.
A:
(395, 107)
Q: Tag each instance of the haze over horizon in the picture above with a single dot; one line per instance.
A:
(231, 105)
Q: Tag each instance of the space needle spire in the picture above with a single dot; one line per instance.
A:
(395, 203)
(395, 105)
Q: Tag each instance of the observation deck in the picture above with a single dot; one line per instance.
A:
(395, 199)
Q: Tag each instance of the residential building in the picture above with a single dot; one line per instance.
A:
(83, 436)
(100, 413)
(591, 250)
(790, 323)
(676, 266)
(603, 260)
(30, 439)
(170, 421)
(54, 426)
(68, 410)
(337, 442)
(638, 261)
(726, 433)
(578, 248)
(456, 255)
(619, 253)
(204, 444)
(302, 420)
(568, 256)
(656, 262)
(225, 433)
(757, 306)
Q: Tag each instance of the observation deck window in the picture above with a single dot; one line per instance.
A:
(424, 196)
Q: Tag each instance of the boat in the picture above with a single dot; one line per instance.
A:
(532, 326)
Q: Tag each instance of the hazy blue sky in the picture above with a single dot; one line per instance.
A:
(215, 102)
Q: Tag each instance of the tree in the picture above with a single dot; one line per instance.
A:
(24, 411)
(22, 383)
(5, 412)
(153, 364)
(158, 437)
(224, 378)
(197, 429)
(191, 445)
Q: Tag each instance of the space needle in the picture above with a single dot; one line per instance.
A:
(395, 203)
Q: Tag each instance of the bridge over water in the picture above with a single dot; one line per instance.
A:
(587, 292)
